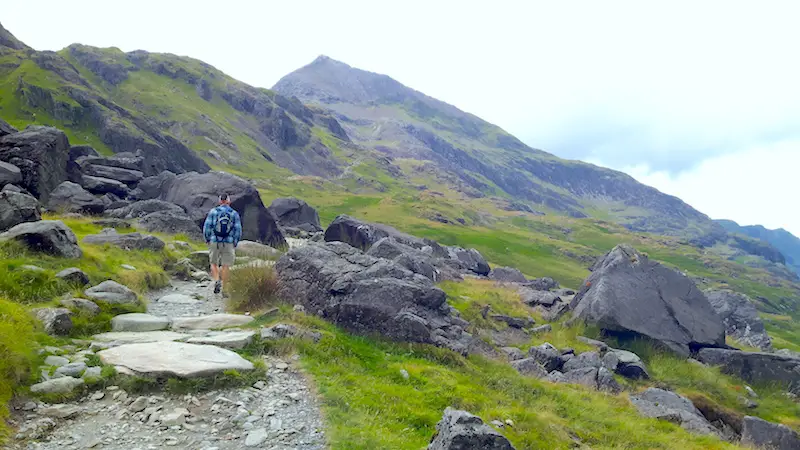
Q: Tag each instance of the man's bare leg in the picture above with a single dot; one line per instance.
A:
(225, 273)
(214, 272)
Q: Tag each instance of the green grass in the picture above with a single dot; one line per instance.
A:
(17, 354)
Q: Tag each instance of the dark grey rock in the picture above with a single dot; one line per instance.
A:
(98, 185)
(606, 381)
(199, 193)
(546, 328)
(755, 367)
(548, 356)
(6, 128)
(627, 293)
(9, 174)
(171, 222)
(586, 359)
(152, 187)
(542, 284)
(586, 376)
(74, 275)
(77, 151)
(470, 259)
(602, 346)
(460, 430)
(534, 297)
(412, 259)
(669, 406)
(111, 223)
(41, 154)
(513, 353)
(127, 176)
(113, 293)
(740, 318)
(367, 295)
(128, 161)
(529, 367)
(70, 197)
(128, 241)
(765, 435)
(295, 213)
(363, 235)
(144, 207)
(46, 236)
(634, 371)
(507, 275)
(17, 208)
(56, 321)
(81, 305)
(513, 322)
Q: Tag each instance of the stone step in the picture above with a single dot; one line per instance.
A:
(174, 359)
(210, 322)
(139, 322)
(134, 337)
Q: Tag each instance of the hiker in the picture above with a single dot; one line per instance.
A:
(222, 230)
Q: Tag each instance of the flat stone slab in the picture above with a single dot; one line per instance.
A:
(132, 337)
(139, 322)
(174, 359)
(226, 339)
(211, 322)
(178, 298)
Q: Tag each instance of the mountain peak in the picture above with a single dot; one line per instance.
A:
(9, 40)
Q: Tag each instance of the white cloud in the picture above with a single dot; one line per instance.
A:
(755, 186)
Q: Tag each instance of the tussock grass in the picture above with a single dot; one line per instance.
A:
(17, 354)
(252, 288)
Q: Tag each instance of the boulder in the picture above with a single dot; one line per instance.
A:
(127, 176)
(41, 154)
(367, 295)
(199, 258)
(606, 381)
(761, 434)
(532, 297)
(295, 213)
(81, 305)
(543, 284)
(171, 222)
(144, 207)
(73, 275)
(547, 355)
(63, 385)
(226, 339)
(152, 187)
(470, 259)
(17, 208)
(755, 367)
(77, 151)
(630, 295)
(56, 321)
(412, 259)
(669, 406)
(507, 275)
(127, 241)
(69, 197)
(740, 318)
(585, 376)
(529, 367)
(46, 236)
(99, 185)
(177, 359)
(210, 322)
(6, 128)
(513, 353)
(253, 250)
(139, 322)
(586, 359)
(9, 174)
(199, 193)
(113, 293)
(72, 369)
(460, 430)
(513, 322)
(363, 235)
(128, 161)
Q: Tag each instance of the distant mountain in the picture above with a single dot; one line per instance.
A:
(381, 113)
(787, 243)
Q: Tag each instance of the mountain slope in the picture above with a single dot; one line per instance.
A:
(787, 243)
(381, 113)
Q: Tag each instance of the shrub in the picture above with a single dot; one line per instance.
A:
(252, 288)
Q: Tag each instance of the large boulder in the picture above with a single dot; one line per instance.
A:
(368, 295)
(630, 295)
(460, 430)
(143, 208)
(669, 406)
(9, 174)
(128, 161)
(70, 197)
(755, 367)
(412, 259)
(164, 359)
(295, 213)
(113, 293)
(761, 434)
(127, 176)
(507, 275)
(17, 208)
(253, 250)
(171, 222)
(99, 185)
(73, 275)
(363, 235)
(199, 193)
(56, 321)
(41, 154)
(46, 236)
(469, 259)
(78, 151)
(127, 241)
(740, 318)
(152, 187)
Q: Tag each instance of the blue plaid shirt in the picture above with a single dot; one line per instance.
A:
(211, 220)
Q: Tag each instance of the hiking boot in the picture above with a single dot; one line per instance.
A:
(217, 286)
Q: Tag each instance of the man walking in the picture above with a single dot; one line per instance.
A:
(222, 230)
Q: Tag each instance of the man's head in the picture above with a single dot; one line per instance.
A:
(224, 199)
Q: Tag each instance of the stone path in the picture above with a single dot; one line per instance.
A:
(279, 412)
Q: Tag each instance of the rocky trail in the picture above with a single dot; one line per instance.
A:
(279, 411)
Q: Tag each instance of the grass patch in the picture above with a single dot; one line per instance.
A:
(252, 288)
(17, 353)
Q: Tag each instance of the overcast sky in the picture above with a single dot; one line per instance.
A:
(699, 99)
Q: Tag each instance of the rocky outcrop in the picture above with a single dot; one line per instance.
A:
(9, 174)
(470, 259)
(41, 154)
(99, 185)
(127, 241)
(127, 176)
(669, 406)
(46, 236)
(199, 193)
(507, 275)
(362, 235)
(17, 208)
(142, 208)
(755, 367)
(69, 197)
(765, 435)
(460, 430)
(412, 259)
(295, 213)
(630, 295)
(740, 318)
(171, 222)
(5, 127)
(367, 295)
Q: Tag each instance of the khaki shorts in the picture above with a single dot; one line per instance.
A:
(221, 254)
